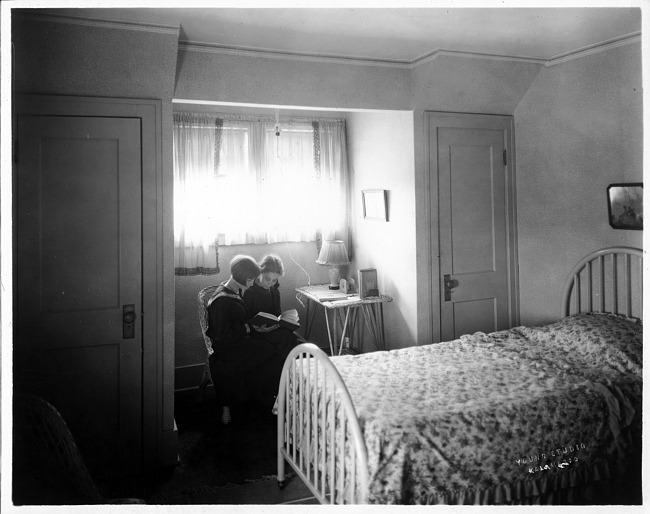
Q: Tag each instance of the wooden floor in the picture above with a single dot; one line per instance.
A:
(257, 493)
(234, 465)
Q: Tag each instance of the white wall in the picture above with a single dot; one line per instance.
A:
(380, 146)
(578, 129)
(471, 84)
(58, 58)
(461, 85)
(205, 75)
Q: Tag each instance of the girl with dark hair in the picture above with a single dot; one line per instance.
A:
(264, 294)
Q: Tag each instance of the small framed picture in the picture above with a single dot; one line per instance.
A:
(625, 206)
(368, 286)
(374, 204)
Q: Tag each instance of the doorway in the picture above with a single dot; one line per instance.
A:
(472, 222)
(88, 276)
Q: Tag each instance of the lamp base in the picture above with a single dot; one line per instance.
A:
(334, 277)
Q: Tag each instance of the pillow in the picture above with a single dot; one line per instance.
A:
(599, 340)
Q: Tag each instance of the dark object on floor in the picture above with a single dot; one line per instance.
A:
(234, 464)
(48, 468)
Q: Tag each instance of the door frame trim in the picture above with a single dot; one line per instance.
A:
(429, 294)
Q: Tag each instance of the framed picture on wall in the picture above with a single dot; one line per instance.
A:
(374, 204)
(625, 206)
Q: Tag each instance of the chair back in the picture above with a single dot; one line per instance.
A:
(203, 298)
(48, 466)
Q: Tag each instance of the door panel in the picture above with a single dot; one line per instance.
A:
(78, 261)
(89, 176)
(473, 229)
(471, 209)
(474, 315)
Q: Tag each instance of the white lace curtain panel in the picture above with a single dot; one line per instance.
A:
(235, 178)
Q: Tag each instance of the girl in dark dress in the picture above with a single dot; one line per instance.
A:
(246, 362)
(264, 296)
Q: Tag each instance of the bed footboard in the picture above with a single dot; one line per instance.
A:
(318, 430)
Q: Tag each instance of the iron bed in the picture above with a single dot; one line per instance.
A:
(525, 415)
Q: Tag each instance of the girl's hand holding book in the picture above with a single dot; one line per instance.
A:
(264, 328)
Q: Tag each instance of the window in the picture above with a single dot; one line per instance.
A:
(236, 179)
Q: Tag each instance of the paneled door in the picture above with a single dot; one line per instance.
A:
(475, 223)
(78, 279)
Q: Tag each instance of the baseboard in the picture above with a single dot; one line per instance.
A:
(188, 377)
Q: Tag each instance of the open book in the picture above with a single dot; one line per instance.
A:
(288, 319)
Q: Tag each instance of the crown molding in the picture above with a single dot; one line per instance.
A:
(288, 56)
(324, 58)
(92, 22)
(474, 55)
(594, 49)
(361, 61)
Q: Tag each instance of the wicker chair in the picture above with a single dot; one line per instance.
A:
(203, 298)
(48, 468)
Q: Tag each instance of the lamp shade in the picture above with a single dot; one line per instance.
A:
(333, 253)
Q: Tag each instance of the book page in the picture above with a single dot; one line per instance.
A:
(290, 315)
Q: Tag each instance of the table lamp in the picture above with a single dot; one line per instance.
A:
(333, 254)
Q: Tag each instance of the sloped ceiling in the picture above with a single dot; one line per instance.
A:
(391, 35)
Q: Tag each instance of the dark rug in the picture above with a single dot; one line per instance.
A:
(215, 458)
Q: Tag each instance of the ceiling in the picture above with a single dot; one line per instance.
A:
(402, 35)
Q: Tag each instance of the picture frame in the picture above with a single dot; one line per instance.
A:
(625, 205)
(374, 204)
(368, 285)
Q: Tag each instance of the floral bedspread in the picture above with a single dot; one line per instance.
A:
(497, 414)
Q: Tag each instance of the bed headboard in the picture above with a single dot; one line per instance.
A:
(608, 280)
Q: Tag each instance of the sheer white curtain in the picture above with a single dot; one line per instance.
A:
(236, 178)
(195, 223)
(333, 181)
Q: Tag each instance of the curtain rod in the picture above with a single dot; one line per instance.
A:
(250, 117)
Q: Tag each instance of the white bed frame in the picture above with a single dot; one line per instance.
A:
(343, 478)
(608, 280)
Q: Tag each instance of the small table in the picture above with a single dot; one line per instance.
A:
(344, 314)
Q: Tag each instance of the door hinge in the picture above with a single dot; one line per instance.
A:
(505, 157)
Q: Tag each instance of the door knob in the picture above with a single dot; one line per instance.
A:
(450, 284)
(128, 321)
